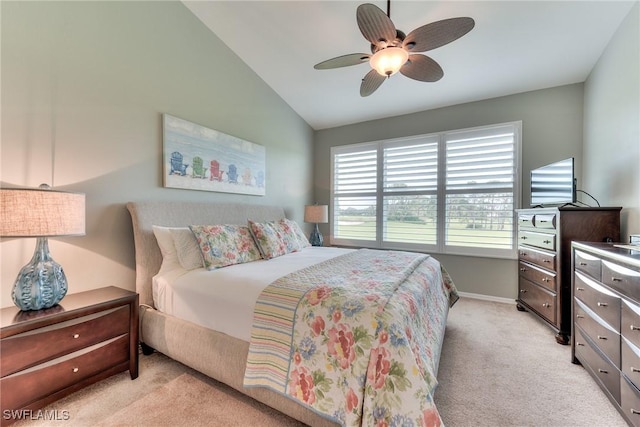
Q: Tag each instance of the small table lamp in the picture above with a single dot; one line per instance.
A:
(316, 214)
(40, 213)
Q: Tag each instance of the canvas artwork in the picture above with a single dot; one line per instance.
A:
(199, 158)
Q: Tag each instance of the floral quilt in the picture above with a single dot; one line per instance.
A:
(357, 338)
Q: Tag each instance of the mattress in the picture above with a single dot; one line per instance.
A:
(224, 299)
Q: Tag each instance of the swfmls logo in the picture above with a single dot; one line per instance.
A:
(42, 415)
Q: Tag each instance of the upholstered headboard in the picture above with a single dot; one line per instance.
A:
(144, 215)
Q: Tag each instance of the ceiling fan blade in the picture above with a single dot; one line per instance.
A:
(343, 61)
(422, 68)
(371, 82)
(375, 25)
(437, 34)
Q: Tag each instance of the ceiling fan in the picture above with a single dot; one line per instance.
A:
(393, 51)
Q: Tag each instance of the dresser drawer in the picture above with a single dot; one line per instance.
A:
(630, 322)
(545, 221)
(539, 240)
(31, 348)
(588, 264)
(32, 384)
(599, 299)
(607, 339)
(630, 401)
(539, 299)
(525, 220)
(537, 275)
(622, 279)
(543, 259)
(608, 376)
(630, 361)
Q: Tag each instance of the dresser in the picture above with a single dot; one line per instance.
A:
(606, 321)
(50, 353)
(544, 258)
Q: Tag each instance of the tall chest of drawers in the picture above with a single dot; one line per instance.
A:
(544, 258)
(606, 321)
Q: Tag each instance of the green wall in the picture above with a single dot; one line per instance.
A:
(88, 82)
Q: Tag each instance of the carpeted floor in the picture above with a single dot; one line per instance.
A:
(499, 367)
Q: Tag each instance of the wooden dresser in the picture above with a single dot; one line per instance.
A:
(606, 321)
(544, 258)
(48, 354)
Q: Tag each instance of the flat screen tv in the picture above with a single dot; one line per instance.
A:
(553, 184)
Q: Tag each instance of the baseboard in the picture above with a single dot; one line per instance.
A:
(487, 297)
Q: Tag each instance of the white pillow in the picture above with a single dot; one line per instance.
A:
(170, 259)
(187, 247)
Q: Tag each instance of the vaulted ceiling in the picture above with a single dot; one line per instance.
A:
(515, 46)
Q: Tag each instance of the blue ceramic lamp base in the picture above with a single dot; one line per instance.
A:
(315, 238)
(41, 283)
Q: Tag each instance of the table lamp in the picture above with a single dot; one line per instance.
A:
(316, 214)
(41, 213)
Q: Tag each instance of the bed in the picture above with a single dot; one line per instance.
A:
(274, 358)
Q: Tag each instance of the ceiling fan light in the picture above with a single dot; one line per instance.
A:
(388, 61)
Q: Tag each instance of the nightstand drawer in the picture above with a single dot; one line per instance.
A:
(30, 348)
(538, 275)
(630, 326)
(599, 299)
(545, 221)
(607, 339)
(32, 384)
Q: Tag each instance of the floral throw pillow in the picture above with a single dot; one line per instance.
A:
(223, 245)
(303, 242)
(268, 238)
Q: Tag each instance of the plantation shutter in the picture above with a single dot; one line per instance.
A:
(480, 181)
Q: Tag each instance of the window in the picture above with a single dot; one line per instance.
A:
(452, 192)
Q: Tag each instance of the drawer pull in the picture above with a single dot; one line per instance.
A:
(523, 291)
(579, 289)
(634, 369)
(603, 371)
(616, 279)
(600, 337)
(584, 264)
(579, 344)
(602, 304)
(634, 411)
(546, 304)
(579, 316)
(74, 370)
(546, 260)
(523, 269)
(635, 328)
(546, 241)
(76, 336)
(546, 279)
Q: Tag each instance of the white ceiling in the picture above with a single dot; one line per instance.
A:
(516, 46)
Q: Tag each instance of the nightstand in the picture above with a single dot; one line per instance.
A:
(48, 354)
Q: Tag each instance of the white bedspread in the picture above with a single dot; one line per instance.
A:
(224, 299)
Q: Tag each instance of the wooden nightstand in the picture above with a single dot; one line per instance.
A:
(48, 354)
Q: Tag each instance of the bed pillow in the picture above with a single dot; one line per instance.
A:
(303, 242)
(170, 259)
(269, 239)
(222, 245)
(187, 248)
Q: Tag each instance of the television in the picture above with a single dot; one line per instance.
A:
(553, 184)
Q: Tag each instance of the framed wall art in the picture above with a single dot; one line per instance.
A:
(199, 158)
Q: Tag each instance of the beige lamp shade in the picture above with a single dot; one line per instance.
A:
(318, 214)
(41, 213)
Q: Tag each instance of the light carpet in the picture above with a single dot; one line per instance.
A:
(499, 367)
